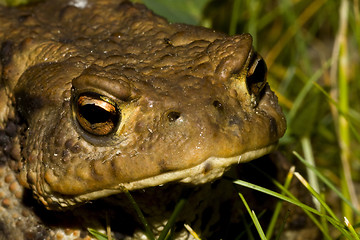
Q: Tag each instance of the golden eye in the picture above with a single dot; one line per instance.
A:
(96, 114)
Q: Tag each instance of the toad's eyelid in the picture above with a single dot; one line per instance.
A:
(91, 78)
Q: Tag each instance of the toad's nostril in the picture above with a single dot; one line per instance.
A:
(218, 105)
(173, 116)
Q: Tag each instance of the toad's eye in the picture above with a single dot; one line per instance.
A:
(96, 114)
(256, 78)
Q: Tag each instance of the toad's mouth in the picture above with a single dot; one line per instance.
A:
(208, 170)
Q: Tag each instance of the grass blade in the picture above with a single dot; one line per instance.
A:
(279, 204)
(307, 149)
(148, 231)
(314, 193)
(97, 234)
(254, 218)
(285, 191)
(179, 206)
(327, 182)
(351, 228)
(192, 232)
(296, 202)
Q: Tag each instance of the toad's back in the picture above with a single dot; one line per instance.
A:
(111, 97)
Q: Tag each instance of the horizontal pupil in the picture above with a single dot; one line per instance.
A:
(95, 114)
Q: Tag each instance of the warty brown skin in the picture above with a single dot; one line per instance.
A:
(182, 95)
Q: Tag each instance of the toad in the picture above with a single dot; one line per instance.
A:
(100, 97)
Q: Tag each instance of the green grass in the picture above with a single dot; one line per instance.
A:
(165, 233)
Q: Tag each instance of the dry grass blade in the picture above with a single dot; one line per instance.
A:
(192, 232)
(340, 92)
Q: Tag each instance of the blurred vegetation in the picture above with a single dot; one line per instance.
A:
(312, 48)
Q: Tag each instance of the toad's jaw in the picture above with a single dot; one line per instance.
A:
(210, 169)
